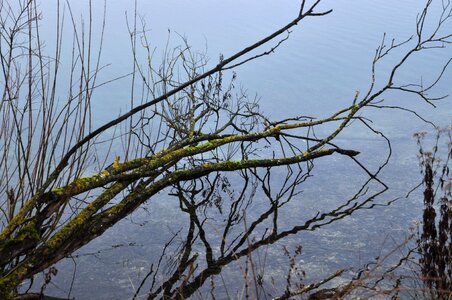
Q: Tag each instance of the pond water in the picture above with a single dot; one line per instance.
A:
(315, 72)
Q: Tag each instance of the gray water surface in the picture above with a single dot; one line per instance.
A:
(318, 70)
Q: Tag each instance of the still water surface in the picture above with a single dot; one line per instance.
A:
(318, 70)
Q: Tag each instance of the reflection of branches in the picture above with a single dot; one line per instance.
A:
(153, 272)
(194, 201)
(435, 244)
(429, 260)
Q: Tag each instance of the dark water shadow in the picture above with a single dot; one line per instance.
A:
(435, 243)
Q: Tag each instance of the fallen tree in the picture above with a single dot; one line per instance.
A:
(190, 132)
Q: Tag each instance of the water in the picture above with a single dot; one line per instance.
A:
(318, 70)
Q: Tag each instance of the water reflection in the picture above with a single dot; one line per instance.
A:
(224, 245)
(201, 252)
(436, 240)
